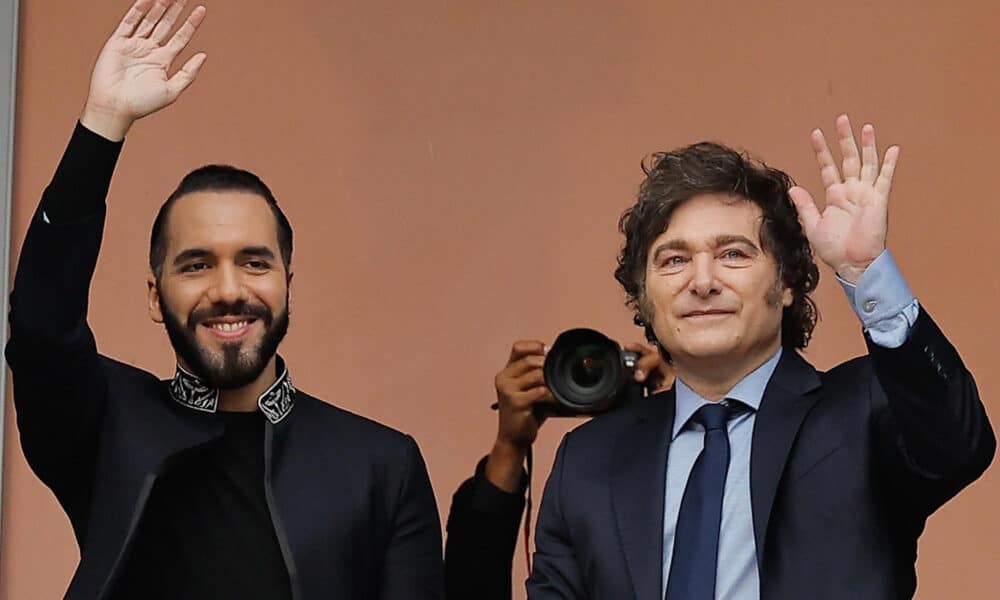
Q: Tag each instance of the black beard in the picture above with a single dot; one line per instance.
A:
(237, 366)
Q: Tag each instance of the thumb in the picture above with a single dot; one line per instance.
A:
(805, 205)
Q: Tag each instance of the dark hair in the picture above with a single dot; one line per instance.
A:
(217, 178)
(709, 168)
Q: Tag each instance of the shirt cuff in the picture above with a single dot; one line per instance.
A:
(883, 302)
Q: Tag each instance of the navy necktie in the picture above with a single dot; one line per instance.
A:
(696, 539)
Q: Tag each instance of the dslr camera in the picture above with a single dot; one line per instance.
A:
(588, 373)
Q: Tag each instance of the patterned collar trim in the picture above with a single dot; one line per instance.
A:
(187, 389)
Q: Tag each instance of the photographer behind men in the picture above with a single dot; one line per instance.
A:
(225, 481)
(487, 508)
(755, 475)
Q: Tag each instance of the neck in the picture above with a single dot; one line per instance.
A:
(713, 377)
(244, 399)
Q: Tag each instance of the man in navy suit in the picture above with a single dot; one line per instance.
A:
(757, 476)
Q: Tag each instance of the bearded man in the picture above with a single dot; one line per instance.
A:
(225, 481)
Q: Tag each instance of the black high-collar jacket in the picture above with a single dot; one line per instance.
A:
(350, 499)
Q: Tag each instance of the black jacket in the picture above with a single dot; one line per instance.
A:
(482, 539)
(350, 499)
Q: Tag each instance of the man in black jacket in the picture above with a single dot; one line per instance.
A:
(225, 481)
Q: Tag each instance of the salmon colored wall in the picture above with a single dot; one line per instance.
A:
(455, 170)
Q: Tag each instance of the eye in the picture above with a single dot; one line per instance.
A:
(194, 267)
(672, 263)
(733, 253)
(257, 265)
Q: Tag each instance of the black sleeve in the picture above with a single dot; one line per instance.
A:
(482, 535)
(58, 386)
(412, 567)
(934, 435)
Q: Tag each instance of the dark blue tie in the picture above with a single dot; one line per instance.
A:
(696, 539)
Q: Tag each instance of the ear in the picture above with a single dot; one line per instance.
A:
(289, 284)
(153, 299)
(787, 297)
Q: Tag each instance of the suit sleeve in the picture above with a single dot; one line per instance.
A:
(934, 435)
(413, 566)
(555, 574)
(482, 537)
(58, 385)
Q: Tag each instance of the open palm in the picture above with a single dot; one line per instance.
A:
(850, 231)
(130, 79)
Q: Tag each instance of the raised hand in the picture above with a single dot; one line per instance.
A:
(850, 231)
(130, 79)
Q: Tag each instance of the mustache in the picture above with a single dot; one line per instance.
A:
(225, 309)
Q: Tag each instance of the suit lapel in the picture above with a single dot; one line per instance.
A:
(784, 407)
(639, 472)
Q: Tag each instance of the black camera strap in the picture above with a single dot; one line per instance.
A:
(527, 514)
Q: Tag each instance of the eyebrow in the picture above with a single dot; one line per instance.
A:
(719, 241)
(261, 251)
(197, 253)
(190, 254)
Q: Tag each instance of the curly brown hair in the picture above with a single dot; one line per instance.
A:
(709, 168)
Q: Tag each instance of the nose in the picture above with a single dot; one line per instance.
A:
(703, 277)
(227, 286)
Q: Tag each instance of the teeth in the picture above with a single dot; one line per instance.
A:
(230, 326)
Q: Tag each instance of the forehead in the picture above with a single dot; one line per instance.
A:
(220, 220)
(707, 216)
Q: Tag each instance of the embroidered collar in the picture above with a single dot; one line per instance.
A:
(187, 389)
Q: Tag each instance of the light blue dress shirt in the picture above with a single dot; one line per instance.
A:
(887, 309)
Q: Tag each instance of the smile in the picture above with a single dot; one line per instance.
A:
(229, 330)
(707, 314)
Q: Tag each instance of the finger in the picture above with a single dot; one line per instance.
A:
(827, 167)
(641, 348)
(646, 365)
(149, 21)
(526, 381)
(186, 31)
(167, 22)
(851, 165)
(806, 207)
(536, 395)
(132, 18)
(522, 348)
(869, 154)
(523, 365)
(185, 76)
(643, 369)
(884, 182)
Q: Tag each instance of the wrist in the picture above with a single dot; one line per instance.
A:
(505, 465)
(106, 123)
(851, 273)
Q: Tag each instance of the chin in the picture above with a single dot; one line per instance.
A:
(706, 346)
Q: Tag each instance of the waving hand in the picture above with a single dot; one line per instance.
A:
(131, 77)
(850, 232)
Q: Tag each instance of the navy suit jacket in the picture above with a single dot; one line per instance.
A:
(845, 467)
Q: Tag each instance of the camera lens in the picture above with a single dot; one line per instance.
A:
(588, 370)
(584, 369)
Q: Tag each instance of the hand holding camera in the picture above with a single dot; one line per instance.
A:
(584, 373)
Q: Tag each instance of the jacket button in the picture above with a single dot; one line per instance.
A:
(869, 305)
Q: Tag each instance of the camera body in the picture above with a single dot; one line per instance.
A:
(588, 374)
